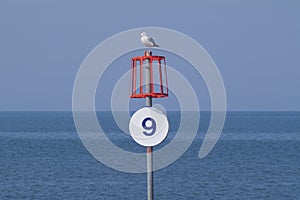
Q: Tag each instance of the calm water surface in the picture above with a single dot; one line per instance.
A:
(257, 157)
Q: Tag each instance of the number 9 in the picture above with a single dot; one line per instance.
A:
(152, 127)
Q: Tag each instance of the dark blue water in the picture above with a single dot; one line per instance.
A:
(257, 157)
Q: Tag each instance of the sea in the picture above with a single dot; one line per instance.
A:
(256, 157)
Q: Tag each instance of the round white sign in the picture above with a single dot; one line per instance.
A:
(148, 126)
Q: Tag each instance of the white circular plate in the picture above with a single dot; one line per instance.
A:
(148, 126)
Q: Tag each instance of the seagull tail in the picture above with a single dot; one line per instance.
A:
(156, 45)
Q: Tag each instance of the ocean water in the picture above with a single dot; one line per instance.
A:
(257, 157)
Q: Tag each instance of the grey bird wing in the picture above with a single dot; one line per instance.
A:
(152, 41)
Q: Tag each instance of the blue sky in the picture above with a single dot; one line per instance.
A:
(255, 45)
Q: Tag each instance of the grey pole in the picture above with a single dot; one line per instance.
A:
(149, 149)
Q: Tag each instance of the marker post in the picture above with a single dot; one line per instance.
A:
(148, 126)
(149, 149)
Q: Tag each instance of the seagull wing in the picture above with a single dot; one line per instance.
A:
(152, 41)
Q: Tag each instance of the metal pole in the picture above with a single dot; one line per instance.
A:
(149, 149)
(149, 173)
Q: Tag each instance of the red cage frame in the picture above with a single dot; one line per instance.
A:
(138, 91)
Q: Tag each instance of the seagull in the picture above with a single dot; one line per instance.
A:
(148, 41)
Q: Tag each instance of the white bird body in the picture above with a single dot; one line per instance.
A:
(148, 41)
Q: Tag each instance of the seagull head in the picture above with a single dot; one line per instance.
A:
(143, 34)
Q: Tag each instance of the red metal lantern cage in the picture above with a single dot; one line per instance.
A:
(158, 83)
